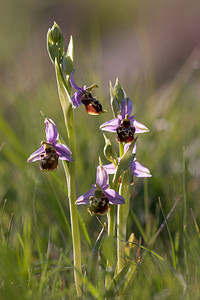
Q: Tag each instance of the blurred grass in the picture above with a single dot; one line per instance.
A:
(36, 247)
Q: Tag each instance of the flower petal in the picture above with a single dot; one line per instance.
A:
(51, 131)
(110, 125)
(63, 152)
(76, 99)
(139, 171)
(139, 128)
(102, 177)
(126, 107)
(84, 199)
(36, 155)
(74, 85)
(114, 197)
(110, 168)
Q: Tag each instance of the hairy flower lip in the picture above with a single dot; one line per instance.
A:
(51, 142)
(102, 183)
(83, 95)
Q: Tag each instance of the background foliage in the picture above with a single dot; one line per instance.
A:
(153, 48)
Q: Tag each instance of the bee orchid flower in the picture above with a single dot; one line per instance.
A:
(83, 95)
(51, 150)
(124, 125)
(100, 195)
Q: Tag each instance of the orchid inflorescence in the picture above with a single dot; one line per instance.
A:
(124, 125)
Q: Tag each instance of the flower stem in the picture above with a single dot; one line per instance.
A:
(64, 95)
(111, 230)
(121, 227)
(73, 209)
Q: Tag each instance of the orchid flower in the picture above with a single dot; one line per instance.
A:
(50, 151)
(125, 125)
(83, 95)
(100, 195)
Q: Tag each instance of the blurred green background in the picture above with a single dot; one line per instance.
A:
(153, 48)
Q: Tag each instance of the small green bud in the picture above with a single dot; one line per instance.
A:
(114, 102)
(67, 64)
(109, 152)
(119, 92)
(57, 36)
(54, 52)
(55, 43)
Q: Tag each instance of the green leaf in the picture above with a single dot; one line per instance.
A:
(114, 102)
(125, 162)
(119, 92)
(117, 283)
(68, 59)
(70, 49)
(125, 192)
(64, 96)
(108, 250)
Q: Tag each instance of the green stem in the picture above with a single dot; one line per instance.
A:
(146, 209)
(73, 209)
(121, 228)
(111, 231)
(65, 100)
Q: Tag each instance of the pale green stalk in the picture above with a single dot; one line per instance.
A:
(70, 176)
(121, 229)
(111, 231)
(74, 212)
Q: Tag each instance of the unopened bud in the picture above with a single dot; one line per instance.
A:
(67, 64)
(109, 152)
(53, 51)
(119, 92)
(117, 95)
(55, 43)
(57, 36)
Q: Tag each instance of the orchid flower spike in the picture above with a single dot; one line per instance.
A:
(50, 151)
(124, 125)
(100, 195)
(83, 95)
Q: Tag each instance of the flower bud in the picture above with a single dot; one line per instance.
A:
(117, 95)
(109, 153)
(67, 64)
(57, 36)
(55, 43)
(119, 92)
(53, 51)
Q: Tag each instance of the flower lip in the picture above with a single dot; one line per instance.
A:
(98, 204)
(83, 95)
(92, 105)
(49, 160)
